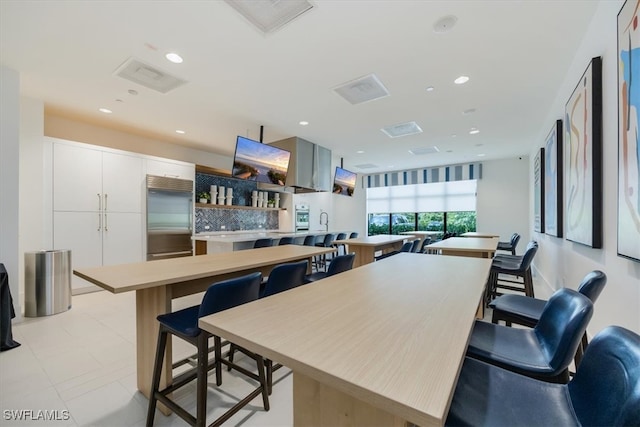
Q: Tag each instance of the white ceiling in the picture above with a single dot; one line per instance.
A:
(515, 52)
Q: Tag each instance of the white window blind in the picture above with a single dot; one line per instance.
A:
(451, 196)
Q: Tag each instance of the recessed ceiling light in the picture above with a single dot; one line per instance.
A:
(430, 89)
(474, 131)
(478, 145)
(360, 152)
(304, 123)
(180, 131)
(132, 92)
(449, 151)
(453, 135)
(481, 155)
(468, 111)
(461, 80)
(119, 100)
(174, 57)
(105, 110)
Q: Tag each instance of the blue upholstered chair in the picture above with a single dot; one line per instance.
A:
(340, 236)
(604, 392)
(406, 247)
(526, 311)
(510, 245)
(184, 324)
(263, 243)
(543, 352)
(282, 278)
(426, 242)
(516, 273)
(415, 246)
(320, 261)
(353, 235)
(285, 241)
(337, 265)
(309, 240)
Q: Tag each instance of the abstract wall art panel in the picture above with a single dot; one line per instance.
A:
(583, 158)
(553, 181)
(538, 192)
(628, 126)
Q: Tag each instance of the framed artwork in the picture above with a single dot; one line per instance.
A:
(553, 181)
(538, 192)
(583, 150)
(628, 127)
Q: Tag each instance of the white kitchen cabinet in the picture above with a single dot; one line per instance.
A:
(97, 206)
(81, 233)
(171, 169)
(88, 179)
(77, 178)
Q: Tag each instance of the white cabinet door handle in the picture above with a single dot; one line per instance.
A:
(105, 213)
(99, 212)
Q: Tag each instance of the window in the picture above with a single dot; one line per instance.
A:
(443, 206)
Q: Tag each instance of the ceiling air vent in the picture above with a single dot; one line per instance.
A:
(424, 150)
(402, 129)
(148, 76)
(363, 89)
(367, 166)
(270, 15)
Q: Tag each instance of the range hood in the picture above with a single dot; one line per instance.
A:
(309, 166)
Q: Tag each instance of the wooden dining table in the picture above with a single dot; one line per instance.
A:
(156, 283)
(365, 247)
(479, 234)
(381, 344)
(466, 246)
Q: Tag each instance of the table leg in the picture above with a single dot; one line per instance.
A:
(150, 303)
(363, 255)
(317, 404)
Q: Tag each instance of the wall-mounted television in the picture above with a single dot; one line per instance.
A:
(344, 182)
(260, 162)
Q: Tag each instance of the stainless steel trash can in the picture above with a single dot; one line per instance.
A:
(47, 282)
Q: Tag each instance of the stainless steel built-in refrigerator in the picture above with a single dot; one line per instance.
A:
(169, 217)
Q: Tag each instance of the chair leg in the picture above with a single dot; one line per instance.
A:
(269, 366)
(263, 382)
(201, 384)
(232, 350)
(581, 349)
(528, 283)
(218, 359)
(157, 371)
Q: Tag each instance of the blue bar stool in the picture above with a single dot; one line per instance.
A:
(184, 324)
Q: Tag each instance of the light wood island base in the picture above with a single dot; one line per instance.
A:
(317, 404)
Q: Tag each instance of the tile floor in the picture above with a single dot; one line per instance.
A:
(83, 362)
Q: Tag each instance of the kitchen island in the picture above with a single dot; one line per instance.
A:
(215, 242)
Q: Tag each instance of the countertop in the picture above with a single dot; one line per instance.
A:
(249, 235)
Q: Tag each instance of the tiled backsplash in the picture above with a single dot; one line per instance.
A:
(235, 219)
(232, 219)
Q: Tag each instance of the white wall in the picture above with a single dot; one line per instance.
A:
(345, 213)
(503, 199)
(33, 189)
(9, 174)
(563, 263)
(73, 130)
